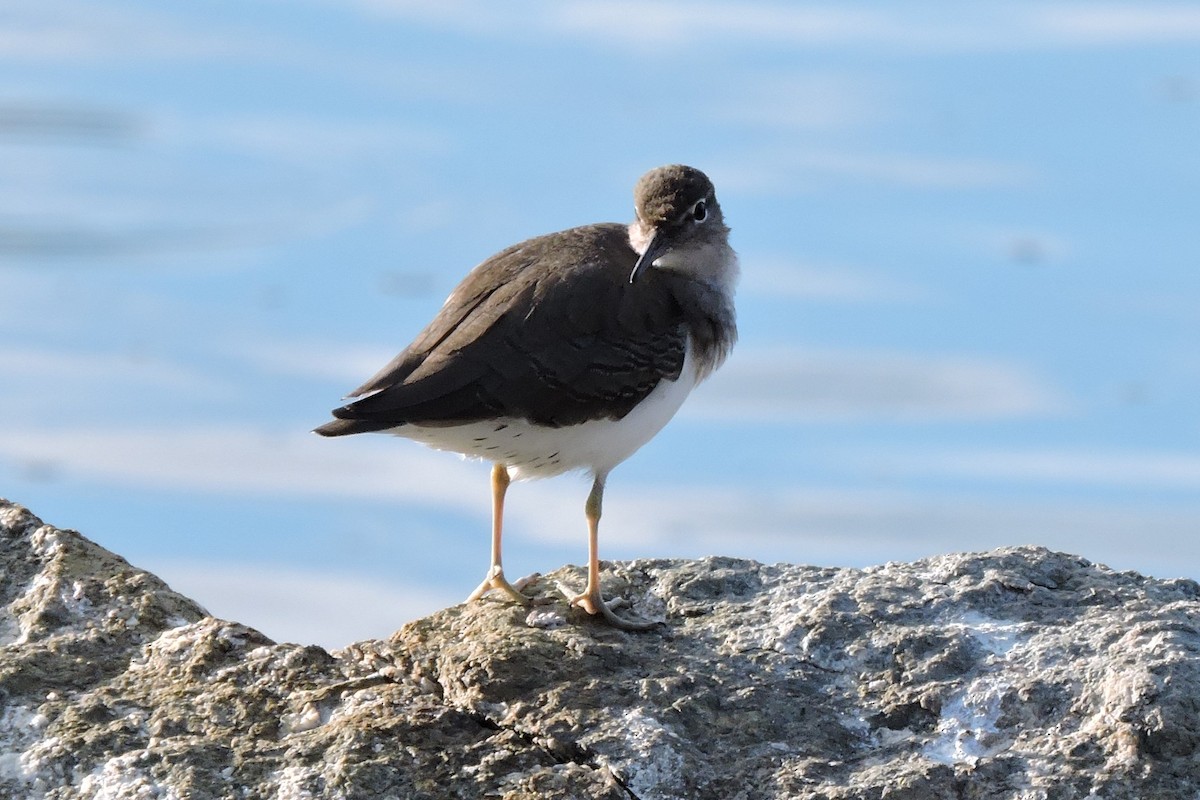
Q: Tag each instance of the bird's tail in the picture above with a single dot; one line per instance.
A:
(345, 427)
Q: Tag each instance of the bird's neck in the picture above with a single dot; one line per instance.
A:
(710, 318)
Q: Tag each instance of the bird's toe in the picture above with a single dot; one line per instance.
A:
(594, 604)
(495, 581)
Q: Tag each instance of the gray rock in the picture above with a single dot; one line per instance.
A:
(1020, 673)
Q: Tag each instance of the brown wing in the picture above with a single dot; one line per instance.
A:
(549, 330)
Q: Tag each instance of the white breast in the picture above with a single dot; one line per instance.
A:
(533, 451)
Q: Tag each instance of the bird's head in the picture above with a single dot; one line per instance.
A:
(679, 226)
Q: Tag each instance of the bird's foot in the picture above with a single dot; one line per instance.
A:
(591, 602)
(495, 580)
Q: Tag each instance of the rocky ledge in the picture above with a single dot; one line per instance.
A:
(1020, 673)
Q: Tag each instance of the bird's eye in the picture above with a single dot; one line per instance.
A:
(700, 211)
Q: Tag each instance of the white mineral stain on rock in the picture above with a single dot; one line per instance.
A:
(76, 600)
(291, 783)
(967, 728)
(997, 636)
(657, 766)
(787, 628)
(16, 734)
(120, 778)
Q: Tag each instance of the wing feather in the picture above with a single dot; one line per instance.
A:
(549, 330)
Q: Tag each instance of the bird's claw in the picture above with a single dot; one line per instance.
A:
(495, 580)
(593, 603)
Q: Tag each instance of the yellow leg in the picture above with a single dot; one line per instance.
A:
(495, 577)
(591, 600)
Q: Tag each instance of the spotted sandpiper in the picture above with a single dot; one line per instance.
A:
(568, 352)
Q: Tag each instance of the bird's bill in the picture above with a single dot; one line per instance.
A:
(657, 247)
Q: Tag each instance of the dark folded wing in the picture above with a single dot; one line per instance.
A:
(549, 330)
